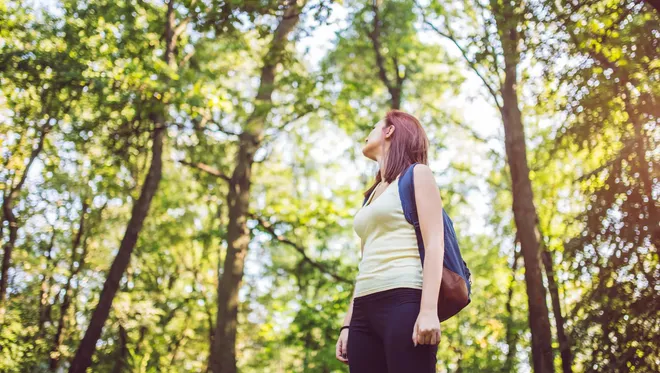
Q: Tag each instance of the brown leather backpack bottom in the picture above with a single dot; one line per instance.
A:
(453, 295)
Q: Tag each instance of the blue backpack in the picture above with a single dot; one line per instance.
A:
(455, 288)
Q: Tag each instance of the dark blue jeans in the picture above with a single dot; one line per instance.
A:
(380, 334)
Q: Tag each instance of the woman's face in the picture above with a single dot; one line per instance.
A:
(374, 143)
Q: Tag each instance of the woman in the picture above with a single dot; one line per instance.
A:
(392, 324)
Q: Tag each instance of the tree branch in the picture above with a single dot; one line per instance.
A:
(474, 133)
(186, 58)
(471, 63)
(399, 78)
(374, 36)
(298, 116)
(488, 45)
(271, 229)
(204, 120)
(265, 139)
(181, 26)
(208, 169)
(14, 190)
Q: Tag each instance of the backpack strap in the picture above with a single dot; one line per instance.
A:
(452, 259)
(407, 196)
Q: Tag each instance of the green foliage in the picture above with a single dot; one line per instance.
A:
(612, 131)
(87, 77)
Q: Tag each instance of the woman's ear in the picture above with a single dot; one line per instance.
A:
(389, 131)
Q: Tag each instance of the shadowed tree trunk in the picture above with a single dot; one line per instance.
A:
(624, 88)
(83, 357)
(508, 18)
(625, 84)
(223, 356)
(564, 344)
(395, 88)
(207, 304)
(122, 351)
(210, 321)
(46, 285)
(511, 334)
(655, 4)
(8, 216)
(77, 261)
(643, 165)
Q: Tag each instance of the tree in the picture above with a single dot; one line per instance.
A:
(171, 33)
(223, 358)
(35, 109)
(494, 53)
(253, 139)
(611, 128)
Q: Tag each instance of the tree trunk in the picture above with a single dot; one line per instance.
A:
(68, 291)
(174, 350)
(211, 323)
(511, 334)
(223, 357)
(564, 345)
(395, 87)
(396, 99)
(83, 358)
(624, 90)
(655, 4)
(46, 285)
(524, 211)
(525, 217)
(643, 164)
(207, 304)
(122, 351)
(12, 222)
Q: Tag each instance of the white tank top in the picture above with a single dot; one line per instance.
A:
(390, 258)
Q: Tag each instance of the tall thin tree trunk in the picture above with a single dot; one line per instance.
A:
(207, 305)
(525, 217)
(77, 261)
(655, 4)
(625, 81)
(211, 324)
(511, 334)
(395, 87)
(46, 285)
(8, 216)
(122, 351)
(83, 358)
(137, 352)
(644, 164)
(223, 357)
(174, 350)
(507, 19)
(564, 344)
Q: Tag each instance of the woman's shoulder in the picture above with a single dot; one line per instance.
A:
(423, 172)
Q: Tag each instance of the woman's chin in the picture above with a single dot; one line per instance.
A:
(367, 153)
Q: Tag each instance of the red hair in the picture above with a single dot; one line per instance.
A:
(408, 145)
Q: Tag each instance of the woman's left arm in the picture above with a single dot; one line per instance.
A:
(429, 212)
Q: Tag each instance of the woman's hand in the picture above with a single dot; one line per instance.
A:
(427, 328)
(341, 350)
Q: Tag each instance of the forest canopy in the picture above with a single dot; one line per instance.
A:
(179, 178)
